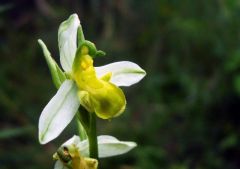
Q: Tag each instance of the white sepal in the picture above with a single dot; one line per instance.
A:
(67, 41)
(59, 112)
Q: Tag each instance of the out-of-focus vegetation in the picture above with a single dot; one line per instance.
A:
(184, 114)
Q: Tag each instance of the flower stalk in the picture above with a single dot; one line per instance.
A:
(92, 137)
(87, 128)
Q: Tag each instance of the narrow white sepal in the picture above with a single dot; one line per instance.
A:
(67, 41)
(59, 165)
(124, 73)
(59, 112)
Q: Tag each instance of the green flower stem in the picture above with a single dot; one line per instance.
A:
(87, 120)
(92, 137)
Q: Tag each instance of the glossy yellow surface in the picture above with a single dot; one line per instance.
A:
(96, 95)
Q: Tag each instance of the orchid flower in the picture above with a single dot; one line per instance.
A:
(74, 153)
(94, 88)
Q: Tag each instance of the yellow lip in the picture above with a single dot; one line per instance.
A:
(96, 95)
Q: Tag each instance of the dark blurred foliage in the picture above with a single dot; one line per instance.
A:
(184, 114)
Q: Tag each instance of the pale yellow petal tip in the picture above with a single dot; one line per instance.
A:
(107, 77)
(91, 163)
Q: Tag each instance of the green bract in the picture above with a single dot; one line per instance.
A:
(95, 88)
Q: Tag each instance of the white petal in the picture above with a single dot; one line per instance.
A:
(67, 41)
(59, 165)
(124, 73)
(107, 146)
(83, 147)
(59, 112)
(110, 146)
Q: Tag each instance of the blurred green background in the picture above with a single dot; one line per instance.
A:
(184, 114)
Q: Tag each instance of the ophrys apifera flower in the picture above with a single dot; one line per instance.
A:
(95, 88)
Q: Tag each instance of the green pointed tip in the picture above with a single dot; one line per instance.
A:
(80, 36)
(100, 53)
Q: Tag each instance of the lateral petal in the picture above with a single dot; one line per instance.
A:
(124, 73)
(108, 146)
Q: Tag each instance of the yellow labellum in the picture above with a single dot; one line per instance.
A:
(96, 95)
